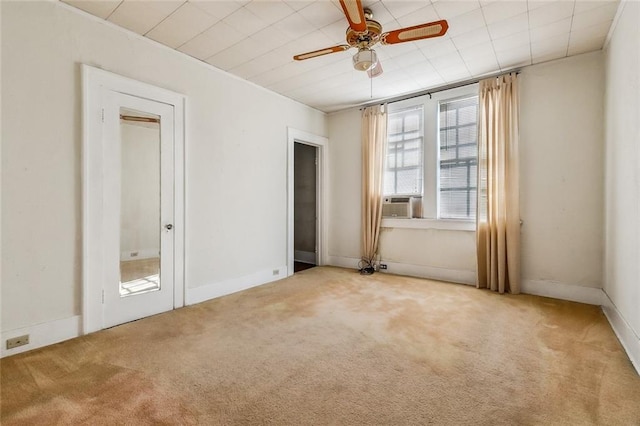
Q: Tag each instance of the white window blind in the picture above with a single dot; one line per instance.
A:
(403, 169)
(458, 158)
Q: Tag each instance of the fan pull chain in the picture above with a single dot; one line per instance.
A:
(371, 87)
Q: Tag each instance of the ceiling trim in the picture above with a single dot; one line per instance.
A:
(614, 24)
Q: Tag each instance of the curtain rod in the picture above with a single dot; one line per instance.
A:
(436, 90)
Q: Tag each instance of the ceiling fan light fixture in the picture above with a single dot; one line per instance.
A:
(375, 70)
(364, 59)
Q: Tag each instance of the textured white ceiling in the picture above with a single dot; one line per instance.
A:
(256, 39)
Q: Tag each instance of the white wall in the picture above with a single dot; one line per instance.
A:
(1, 167)
(562, 172)
(622, 217)
(236, 142)
(561, 188)
(344, 187)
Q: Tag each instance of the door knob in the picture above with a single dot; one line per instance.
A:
(169, 226)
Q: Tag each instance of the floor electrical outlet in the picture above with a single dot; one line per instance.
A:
(17, 341)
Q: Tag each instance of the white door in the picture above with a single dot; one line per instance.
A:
(138, 155)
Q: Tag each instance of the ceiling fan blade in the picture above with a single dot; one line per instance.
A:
(325, 51)
(417, 32)
(375, 70)
(355, 15)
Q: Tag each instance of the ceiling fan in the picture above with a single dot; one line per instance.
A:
(363, 33)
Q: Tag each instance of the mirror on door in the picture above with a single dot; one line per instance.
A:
(140, 202)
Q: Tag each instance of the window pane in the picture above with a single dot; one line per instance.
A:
(411, 158)
(467, 115)
(467, 151)
(458, 158)
(456, 175)
(468, 134)
(408, 181)
(457, 204)
(448, 118)
(412, 122)
(389, 183)
(391, 161)
(448, 137)
(413, 144)
(447, 153)
(395, 126)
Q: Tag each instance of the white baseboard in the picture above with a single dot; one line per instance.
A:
(433, 273)
(222, 288)
(558, 290)
(40, 335)
(420, 271)
(343, 262)
(304, 256)
(626, 335)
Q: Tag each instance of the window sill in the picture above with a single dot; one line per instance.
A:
(445, 224)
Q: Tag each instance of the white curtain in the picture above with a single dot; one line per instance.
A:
(374, 142)
(498, 218)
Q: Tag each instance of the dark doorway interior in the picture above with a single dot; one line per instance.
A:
(300, 266)
(304, 206)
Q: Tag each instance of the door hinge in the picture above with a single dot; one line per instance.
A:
(102, 115)
(103, 297)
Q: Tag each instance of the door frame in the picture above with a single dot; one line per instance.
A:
(322, 144)
(94, 82)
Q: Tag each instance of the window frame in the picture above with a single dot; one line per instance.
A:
(421, 157)
(431, 161)
(440, 102)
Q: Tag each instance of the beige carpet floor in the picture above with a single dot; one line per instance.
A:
(328, 346)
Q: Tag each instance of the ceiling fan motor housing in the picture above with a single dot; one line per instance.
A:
(365, 39)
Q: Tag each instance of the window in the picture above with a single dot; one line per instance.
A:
(432, 152)
(403, 171)
(458, 141)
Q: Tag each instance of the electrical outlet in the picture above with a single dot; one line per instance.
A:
(383, 266)
(276, 272)
(17, 341)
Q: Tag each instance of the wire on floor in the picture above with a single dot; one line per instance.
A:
(366, 267)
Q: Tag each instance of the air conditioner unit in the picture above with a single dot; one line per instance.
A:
(397, 207)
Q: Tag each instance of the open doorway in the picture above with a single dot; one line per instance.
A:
(305, 206)
(316, 165)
